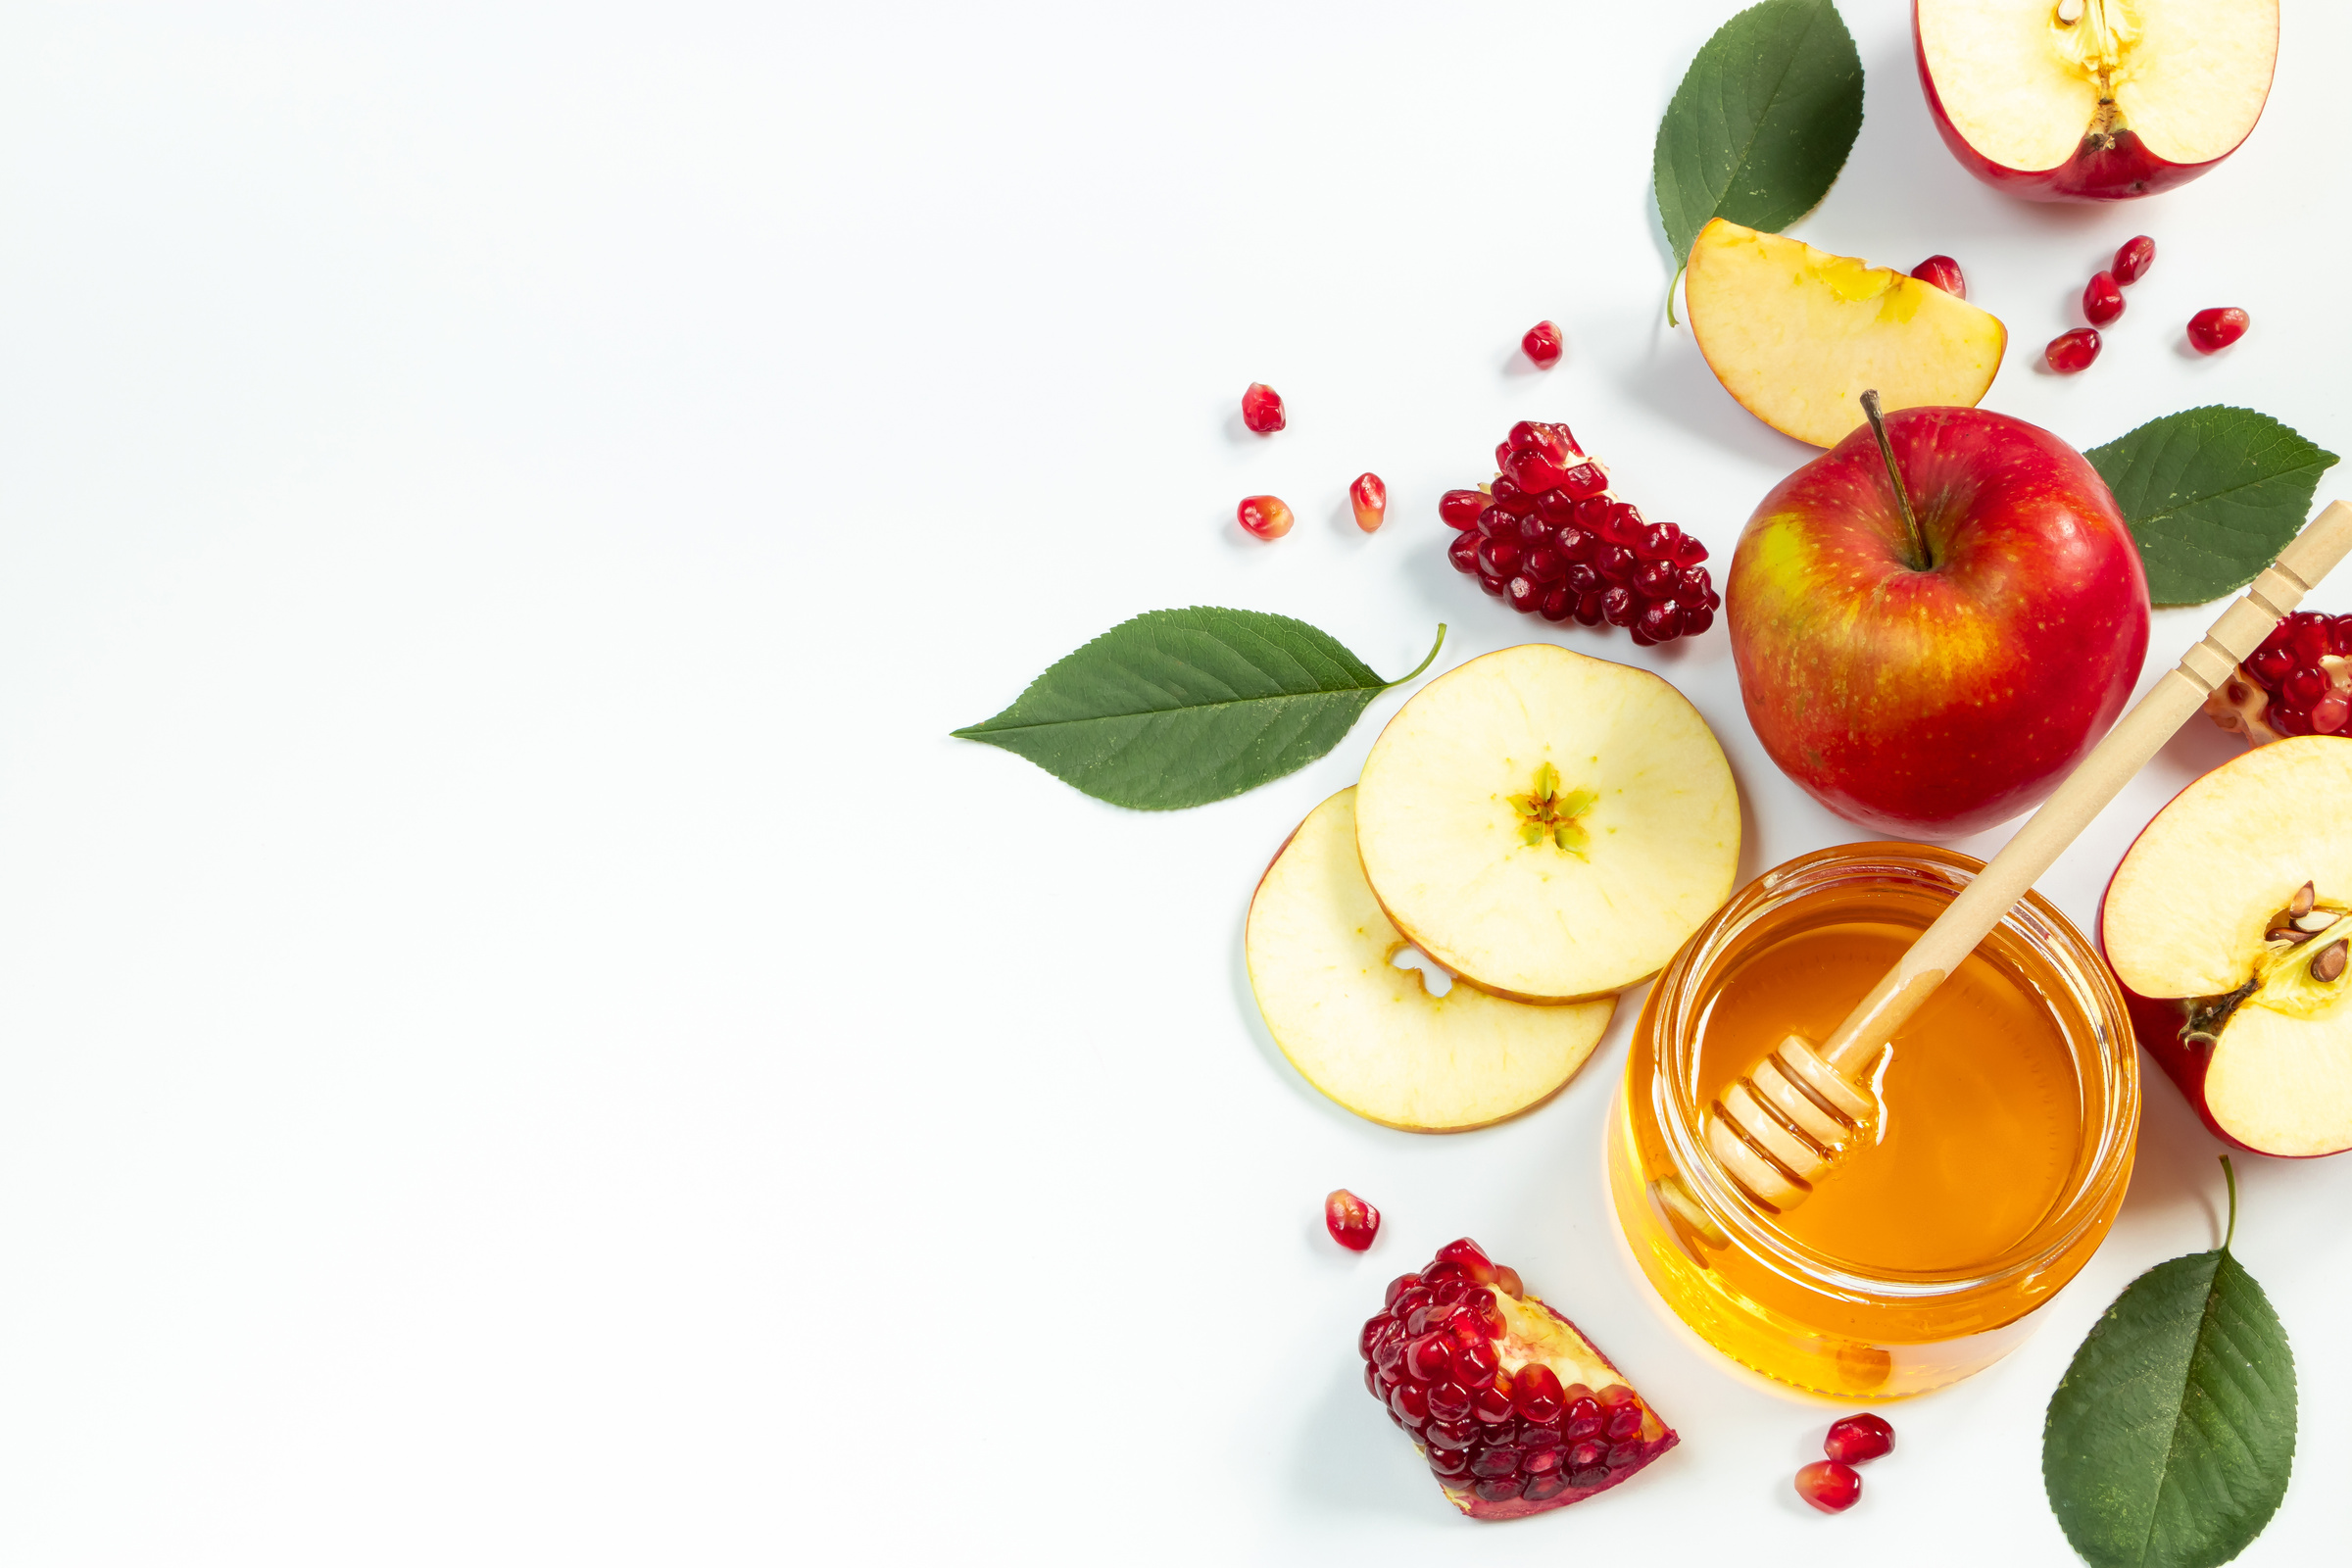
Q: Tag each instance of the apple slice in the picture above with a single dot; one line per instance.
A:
(2094, 100)
(2229, 922)
(1371, 1035)
(1546, 825)
(1796, 335)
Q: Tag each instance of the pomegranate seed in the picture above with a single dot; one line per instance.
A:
(1464, 552)
(1370, 499)
(1584, 1455)
(2271, 666)
(1550, 1485)
(2328, 714)
(1623, 1454)
(2304, 687)
(1498, 1489)
(2071, 353)
(1829, 1485)
(2133, 258)
(1449, 1463)
(2102, 299)
(1351, 1221)
(1466, 1255)
(1461, 508)
(1410, 1402)
(1374, 1327)
(1264, 516)
(1399, 1286)
(1450, 1402)
(1536, 1391)
(1542, 344)
(1858, 1439)
(1261, 409)
(1445, 1432)
(2311, 640)
(2211, 331)
(1944, 274)
(1501, 1460)
(1372, 1380)
(1624, 1424)
(1538, 1462)
(1429, 1359)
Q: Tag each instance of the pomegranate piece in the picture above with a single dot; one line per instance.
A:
(1265, 515)
(2211, 331)
(1370, 500)
(2071, 353)
(1549, 538)
(1515, 1410)
(1261, 409)
(1859, 1438)
(2299, 682)
(2133, 259)
(1353, 1224)
(2102, 299)
(1944, 274)
(1543, 345)
(1829, 1485)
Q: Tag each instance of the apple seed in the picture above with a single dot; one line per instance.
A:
(2330, 964)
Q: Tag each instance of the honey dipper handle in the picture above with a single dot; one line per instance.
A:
(2136, 738)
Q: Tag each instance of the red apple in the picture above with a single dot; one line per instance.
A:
(1933, 687)
(2094, 100)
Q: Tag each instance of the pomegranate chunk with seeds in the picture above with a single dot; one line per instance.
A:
(2299, 682)
(1515, 1411)
(1261, 409)
(1829, 1485)
(1543, 345)
(1549, 538)
(1859, 1438)
(1353, 1224)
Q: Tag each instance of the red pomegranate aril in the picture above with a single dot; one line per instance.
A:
(1445, 1431)
(1450, 1402)
(1525, 594)
(1410, 1402)
(1409, 1301)
(1429, 1359)
(1538, 1462)
(2071, 353)
(1829, 1485)
(1532, 1437)
(1501, 1460)
(2102, 299)
(1493, 1404)
(1475, 1361)
(1623, 1424)
(1368, 498)
(2311, 640)
(1464, 552)
(2211, 331)
(1584, 1455)
(1617, 607)
(1351, 1221)
(1461, 508)
(1858, 1439)
(1944, 274)
(2304, 687)
(1696, 618)
(2287, 719)
(1536, 1391)
(1261, 409)
(1492, 585)
(1542, 344)
(1538, 1488)
(1399, 1286)
(1465, 1255)
(1557, 603)
(1374, 1327)
(1451, 1464)
(1587, 610)
(1496, 1488)
(1500, 557)
(2328, 714)
(1622, 1454)
(1482, 1303)
(1372, 1381)
(2133, 259)
(1267, 516)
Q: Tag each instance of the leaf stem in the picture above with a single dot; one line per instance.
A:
(1425, 662)
(1670, 283)
(1921, 560)
(2230, 1176)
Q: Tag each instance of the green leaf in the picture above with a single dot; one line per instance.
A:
(1762, 121)
(2211, 495)
(1182, 706)
(2169, 1442)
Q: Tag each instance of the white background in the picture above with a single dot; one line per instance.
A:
(521, 1040)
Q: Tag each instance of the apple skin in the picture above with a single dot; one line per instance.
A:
(2117, 172)
(1935, 703)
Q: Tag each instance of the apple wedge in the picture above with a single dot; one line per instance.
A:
(2094, 100)
(1372, 1036)
(2230, 923)
(1796, 335)
(1546, 825)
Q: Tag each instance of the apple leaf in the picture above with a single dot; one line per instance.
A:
(1183, 706)
(1761, 124)
(2211, 495)
(2169, 1442)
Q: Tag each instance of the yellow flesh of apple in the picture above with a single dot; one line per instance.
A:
(1442, 846)
(1796, 335)
(2185, 913)
(2283, 1085)
(2190, 77)
(1369, 1034)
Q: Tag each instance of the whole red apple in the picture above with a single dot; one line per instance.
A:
(2094, 100)
(1931, 686)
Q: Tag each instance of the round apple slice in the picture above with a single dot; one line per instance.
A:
(1372, 1036)
(2229, 922)
(1548, 826)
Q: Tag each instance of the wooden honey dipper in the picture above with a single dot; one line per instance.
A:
(1780, 1129)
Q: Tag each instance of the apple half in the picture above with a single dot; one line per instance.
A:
(1796, 335)
(2094, 100)
(1374, 1036)
(1546, 825)
(2228, 922)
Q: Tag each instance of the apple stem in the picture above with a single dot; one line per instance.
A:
(2230, 1176)
(1921, 560)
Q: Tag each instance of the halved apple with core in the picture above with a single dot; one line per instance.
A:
(1796, 335)
(2094, 100)
(2230, 923)
(1374, 1036)
(1546, 825)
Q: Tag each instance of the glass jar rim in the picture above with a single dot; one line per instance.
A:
(2112, 1052)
